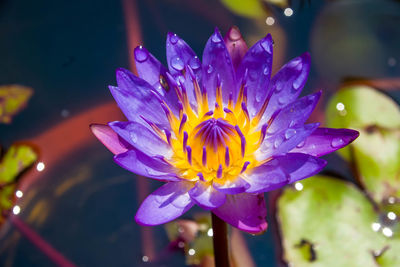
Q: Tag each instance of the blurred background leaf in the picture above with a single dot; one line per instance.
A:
(17, 159)
(13, 98)
(376, 152)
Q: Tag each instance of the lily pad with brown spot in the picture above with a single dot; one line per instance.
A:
(330, 222)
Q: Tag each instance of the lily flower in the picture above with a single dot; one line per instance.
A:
(219, 131)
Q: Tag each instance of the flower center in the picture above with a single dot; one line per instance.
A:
(215, 144)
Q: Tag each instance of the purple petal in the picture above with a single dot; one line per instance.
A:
(258, 63)
(284, 141)
(109, 138)
(282, 170)
(326, 140)
(142, 164)
(142, 138)
(165, 204)
(232, 187)
(300, 166)
(244, 211)
(153, 72)
(179, 57)
(137, 98)
(217, 64)
(287, 84)
(295, 114)
(206, 196)
(236, 45)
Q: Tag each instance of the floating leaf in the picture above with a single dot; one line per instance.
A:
(17, 159)
(248, 8)
(376, 152)
(331, 223)
(13, 98)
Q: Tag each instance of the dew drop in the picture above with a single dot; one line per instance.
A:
(133, 137)
(177, 63)
(259, 95)
(194, 63)
(174, 38)
(234, 34)
(278, 141)
(210, 69)
(141, 54)
(337, 142)
(278, 87)
(282, 100)
(297, 83)
(294, 63)
(266, 45)
(266, 70)
(301, 144)
(289, 133)
(215, 38)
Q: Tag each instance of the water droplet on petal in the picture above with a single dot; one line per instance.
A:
(301, 144)
(294, 63)
(141, 54)
(174, 38)
(337, 142)
(259, 95)
(266, 45)
(210, 69)
(234, 34)
(278, 141)
(289, 133)
(266, 70)
(194, 63)
(299, 81)
(133, 137)
(252, 75)
(215, 38)
(278, 87)
(177, 63)
(282, 100)
(292, 123)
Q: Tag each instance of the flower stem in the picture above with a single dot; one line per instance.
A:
(56, 257)
(220, 241)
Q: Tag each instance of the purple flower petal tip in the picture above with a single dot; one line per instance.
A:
(109, 138)
(236, 45)
(326, 140)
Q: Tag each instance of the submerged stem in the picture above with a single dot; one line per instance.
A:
(220, 241)
(56, 257)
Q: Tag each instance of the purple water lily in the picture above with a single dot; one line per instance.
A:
(220, 132)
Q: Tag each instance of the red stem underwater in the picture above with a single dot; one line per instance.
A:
(56, 257)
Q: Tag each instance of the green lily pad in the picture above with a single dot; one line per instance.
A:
(18, 158)
(248, 8)
(13, 98)
(376, 152)
(331, 223)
